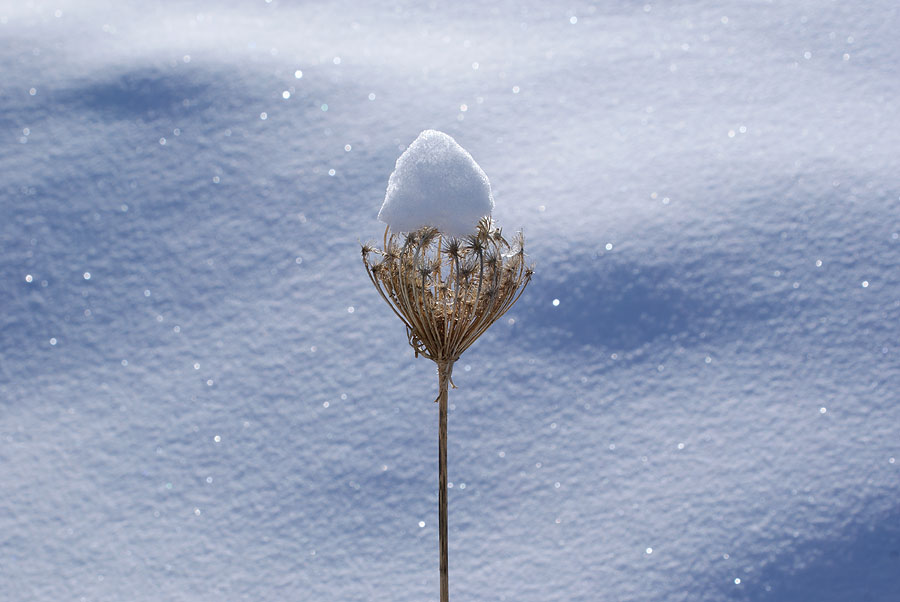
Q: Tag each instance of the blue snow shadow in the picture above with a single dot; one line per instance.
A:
(623, 305)
(862, 564)
(139, 93)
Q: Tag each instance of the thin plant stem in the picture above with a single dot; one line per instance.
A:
(444, 370)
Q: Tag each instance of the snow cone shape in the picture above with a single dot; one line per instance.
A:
(436, 183)
(447, 290)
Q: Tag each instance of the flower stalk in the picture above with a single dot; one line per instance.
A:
(447, 293)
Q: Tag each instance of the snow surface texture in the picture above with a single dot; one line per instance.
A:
(436, 183)
(203, 398)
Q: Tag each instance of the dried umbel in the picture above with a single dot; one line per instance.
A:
(447, 292)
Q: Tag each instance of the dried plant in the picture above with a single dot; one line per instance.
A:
(447, 292)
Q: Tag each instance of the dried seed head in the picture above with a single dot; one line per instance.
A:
(427, 235)
(366, 249)
(491, 259)
(467, 269)
(475, 244)
(485, 226)
(519, 243)
(446, 310)
(511, 266)
(497, 236)
(452, 248)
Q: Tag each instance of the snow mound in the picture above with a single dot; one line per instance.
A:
(436, 183)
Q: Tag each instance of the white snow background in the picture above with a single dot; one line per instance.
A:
(203, 398)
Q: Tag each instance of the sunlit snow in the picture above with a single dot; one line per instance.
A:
(436, 183)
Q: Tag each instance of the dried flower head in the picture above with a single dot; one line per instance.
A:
(448, 294)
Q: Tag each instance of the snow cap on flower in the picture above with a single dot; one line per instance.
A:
(436, 183)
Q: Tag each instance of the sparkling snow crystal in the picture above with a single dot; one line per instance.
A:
(436, 183)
